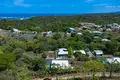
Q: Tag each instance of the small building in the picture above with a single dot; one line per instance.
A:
(115, 25)
(80, 51)
(35, 32)
(97, 32)
(96, 26)
(107, 26)
(105, 40)
(84, 28)
(108, 29)
(98, 53)
(115, 60)
(79, 33)
(47, 34)
(16, 30)
(71, 30)
(58, 63)
(62, 53)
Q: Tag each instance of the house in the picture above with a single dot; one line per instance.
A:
(35, 32)
(79, 33)
(115, 25)
(98, 53)
(71, 30)
(97, 32)
(96, 26)
(58, 63)
(106, 26)
(108, 29)
(80, 51)
(105, 40)
(62, 53)
(16, 30)
(47, 34)
(84, 28)
(113, 60)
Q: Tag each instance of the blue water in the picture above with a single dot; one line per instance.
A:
(21, 16)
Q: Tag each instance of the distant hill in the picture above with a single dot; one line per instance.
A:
(118, 12)
(60, 23)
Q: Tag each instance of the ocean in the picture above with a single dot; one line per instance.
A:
(21, 16)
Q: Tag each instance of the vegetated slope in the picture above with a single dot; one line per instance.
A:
(59, 23)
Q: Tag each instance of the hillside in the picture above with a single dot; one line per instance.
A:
(59, 23)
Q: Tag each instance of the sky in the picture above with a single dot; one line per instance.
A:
(59, 6)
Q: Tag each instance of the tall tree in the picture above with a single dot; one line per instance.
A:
(94, 66)
(70, 52)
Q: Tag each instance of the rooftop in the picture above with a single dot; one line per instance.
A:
(98, 52)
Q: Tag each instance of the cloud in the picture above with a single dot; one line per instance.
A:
(21, 3)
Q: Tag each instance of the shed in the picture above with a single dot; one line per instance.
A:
(98, 52)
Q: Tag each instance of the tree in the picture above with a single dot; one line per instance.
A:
(88, 37)
(77, 45)
(18, 44)
(70, 52)
(39, 64)
(117, 54)
(111, 47)
(56, 36)
(79, 56)
(18, 52)
(30, 45)
(6, 60)
(94, 66)
(112, 67)
(96, 46)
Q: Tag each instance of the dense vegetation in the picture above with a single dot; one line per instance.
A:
(59, 23)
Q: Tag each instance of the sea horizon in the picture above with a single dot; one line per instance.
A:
(21, 16)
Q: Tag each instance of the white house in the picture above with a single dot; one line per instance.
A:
(113, 60)
(97, 32)
(16, 30)
(60, 63)
(62, 53)
(98, 53)
(105, 40)
(79, 33)
(81, 51)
